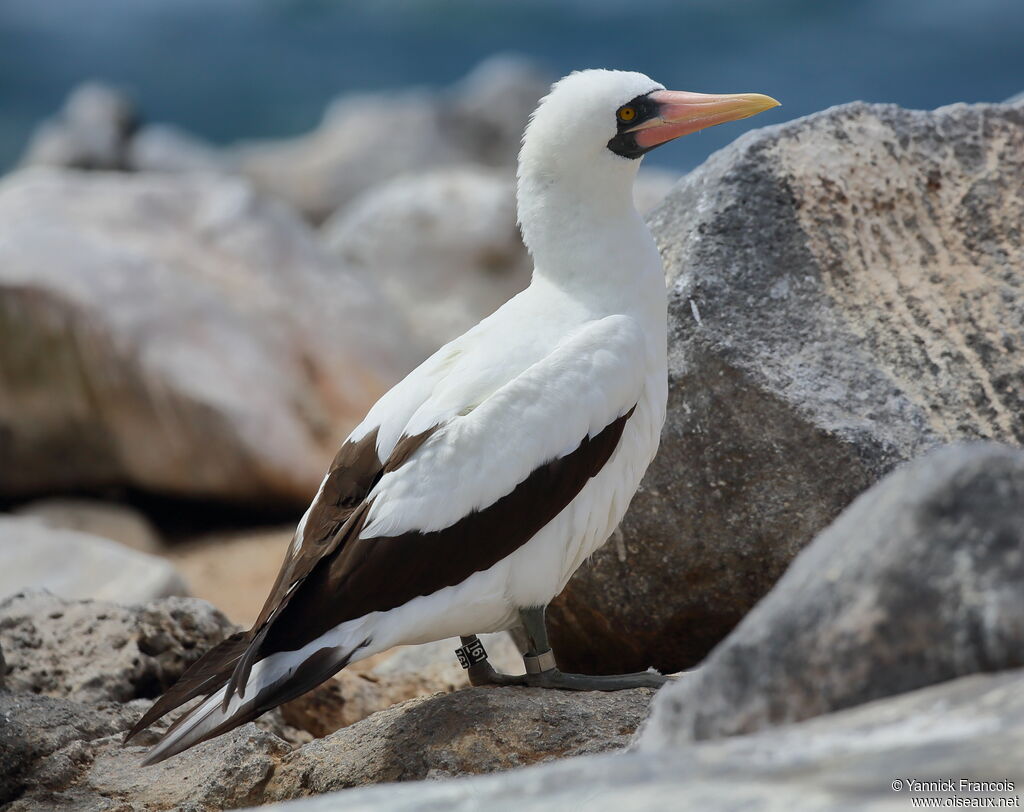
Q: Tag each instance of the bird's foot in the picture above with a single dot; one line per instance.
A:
(553, 678)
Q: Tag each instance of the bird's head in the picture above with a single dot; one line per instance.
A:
(603, 118)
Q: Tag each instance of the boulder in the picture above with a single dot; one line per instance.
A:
(367, 138)
(879, 756)
(165, 148)
(108, 520)
(72, 564)
(919, 581)
(478, 730)
(90, 132)
(94, 652)
(443, 246)
(178, 334)
(846, 291)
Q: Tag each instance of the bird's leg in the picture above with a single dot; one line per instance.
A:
(474, 659)
(542, 672)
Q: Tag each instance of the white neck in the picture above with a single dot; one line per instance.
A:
(583, 230)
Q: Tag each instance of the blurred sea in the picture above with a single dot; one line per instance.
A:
(232, 69)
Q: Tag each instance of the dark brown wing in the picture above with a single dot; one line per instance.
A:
(373, 575)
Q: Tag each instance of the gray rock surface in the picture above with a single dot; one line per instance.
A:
(846, 291)
(919, 581)
(478, 730)
(95, 652)
(180, 334)
(442, 245)
(91, 131)
(164, 148)
(967, 729)
(367, 138)
(108, 520)
(71, 564)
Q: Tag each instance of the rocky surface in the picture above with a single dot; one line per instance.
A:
(478, 730)
(368, 138)
(846, 291)
(95, 652)
(92, 131)
(917, 582)
(81, 673)
(73, 564)
(178, 334)
(966, 729)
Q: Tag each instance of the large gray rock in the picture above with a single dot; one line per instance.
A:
(919, 581)
(846, 291)
(477, 730)
(443, 246)
(177, 333)
(90, 132)
(367, 138)
(966, 730)
(71, 564)
(164, 148)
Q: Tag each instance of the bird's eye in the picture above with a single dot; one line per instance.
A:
(627, 113)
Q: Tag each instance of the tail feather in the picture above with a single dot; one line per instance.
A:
(273, 680)
(204, 676)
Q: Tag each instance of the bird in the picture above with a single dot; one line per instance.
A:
(473, 489)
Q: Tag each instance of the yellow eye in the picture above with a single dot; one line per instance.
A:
(627, 113)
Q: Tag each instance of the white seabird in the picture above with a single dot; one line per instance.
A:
(475, 488)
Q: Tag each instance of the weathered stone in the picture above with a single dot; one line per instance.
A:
(443, 246)
(90, 132)
(70, 564)
(368, 138)
(91, 651)
(472, 731)
(108, 520)
(919, 581)
(177, 333)
(405, 673)
(969, 730)
(163, 148)
(846, 291)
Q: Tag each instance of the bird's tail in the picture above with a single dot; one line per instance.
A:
(278, 678)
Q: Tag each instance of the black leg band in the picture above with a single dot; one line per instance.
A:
(471, 653)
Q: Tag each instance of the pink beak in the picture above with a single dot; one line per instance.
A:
(682, 113)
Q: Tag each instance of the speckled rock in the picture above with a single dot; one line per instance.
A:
(477, 730)
(180, 334)
(919, 581)
(846, 291)
(92, 651)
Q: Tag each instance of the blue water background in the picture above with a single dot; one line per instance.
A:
(231, 69)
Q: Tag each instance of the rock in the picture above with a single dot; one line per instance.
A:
(94, 652)
(486, 112)
(112, 521)
(177, 334)
(473, 731)
(404, 673)
(34, 555)
(965, 730)
(89, 133)
(846, 291)
(368, 138)
(163, 148)
(443, 246)
(1016, 99)
(916, 583)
